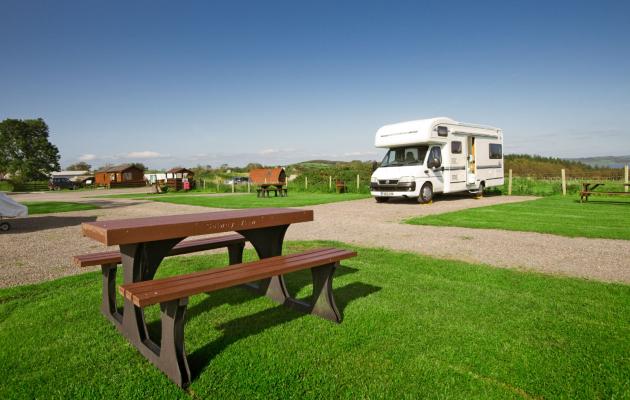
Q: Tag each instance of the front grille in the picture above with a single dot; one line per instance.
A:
(388, 182)
(400, 187)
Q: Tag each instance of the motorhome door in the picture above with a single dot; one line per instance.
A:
(471, 165)
(436, 168)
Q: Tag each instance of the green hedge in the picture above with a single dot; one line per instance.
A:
(6, 186)
(35, 186)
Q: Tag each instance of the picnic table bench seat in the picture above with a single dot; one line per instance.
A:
(233, 241)
(265, 191)
(172, 294)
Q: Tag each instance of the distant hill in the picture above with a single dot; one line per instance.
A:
(605, 161)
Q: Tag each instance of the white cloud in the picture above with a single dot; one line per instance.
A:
(87, 157)
(144, 154)
(268, 151)
(265, 152)
(360, 153)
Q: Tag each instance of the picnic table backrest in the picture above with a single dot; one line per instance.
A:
(268, 176)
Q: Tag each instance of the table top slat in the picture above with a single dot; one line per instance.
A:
(148, 229)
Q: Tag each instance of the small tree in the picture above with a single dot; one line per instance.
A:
(80, 166)
(251, 166)
(25, 151)
(139, 166)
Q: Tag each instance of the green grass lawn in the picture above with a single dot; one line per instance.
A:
(46, 207)
(251, 201)
(413, 327)
(607, 218)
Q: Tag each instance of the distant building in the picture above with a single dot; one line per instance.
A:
(125, 175)
(180, 178)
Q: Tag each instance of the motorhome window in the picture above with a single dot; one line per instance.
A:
(405, 156)
(442, 131)
(496, 151)
(435, 154)
(456, 147)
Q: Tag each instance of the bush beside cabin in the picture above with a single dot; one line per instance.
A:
(436, 155)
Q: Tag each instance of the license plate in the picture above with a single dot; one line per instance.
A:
(387, 193)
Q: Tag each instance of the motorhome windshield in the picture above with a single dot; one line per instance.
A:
(405, 156)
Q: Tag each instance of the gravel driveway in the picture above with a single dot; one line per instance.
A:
(41, 247)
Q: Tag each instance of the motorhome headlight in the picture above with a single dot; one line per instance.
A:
(407, 179)
(373, 179)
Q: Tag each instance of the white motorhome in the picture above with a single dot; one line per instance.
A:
(436, 155)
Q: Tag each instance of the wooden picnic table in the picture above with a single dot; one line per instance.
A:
(144, 242)
(588, 189)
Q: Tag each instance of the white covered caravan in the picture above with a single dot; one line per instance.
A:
(437, 155)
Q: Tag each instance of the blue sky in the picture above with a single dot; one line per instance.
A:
(186, 83)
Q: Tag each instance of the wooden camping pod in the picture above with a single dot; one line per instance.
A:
(268, 177)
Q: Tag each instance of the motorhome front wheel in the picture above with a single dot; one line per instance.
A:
(426, 193)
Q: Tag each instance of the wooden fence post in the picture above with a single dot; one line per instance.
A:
(358, 182)
(330, 180)
(510, 182)
(249, 187)
(305, 182)
(625, 177)
(564, 183)
(232, 185)
(218, 183)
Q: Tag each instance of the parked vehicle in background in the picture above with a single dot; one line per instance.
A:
(437, 155)
(236, 180)
(61, 183)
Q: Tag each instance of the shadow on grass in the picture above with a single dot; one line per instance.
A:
(239, 295)
(241, 328)
(604, 202)
(442, 197)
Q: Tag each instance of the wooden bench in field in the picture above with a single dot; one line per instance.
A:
(172, 294)
(109, 260)
(588, 190)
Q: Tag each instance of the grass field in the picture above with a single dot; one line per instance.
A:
(46, 207)
(607, 218)
(251, 201)
(413, 327)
